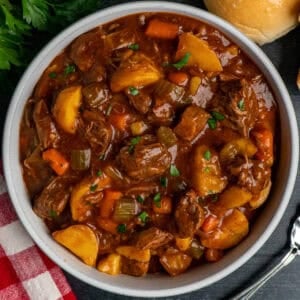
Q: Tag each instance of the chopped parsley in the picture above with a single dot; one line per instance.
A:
(241, 104)
(93, 187)
(164, 181)
(214, 197)
(174, 171)
(207, 169)
(69, 69)
(52, 75)
(140, 199)
(121, 228)
(133, 142)
(143, 217)
(52, 213)
(207, 155)
(217, 115)
(133, 91)
(156, 200)
(134, 47)
(99, 173)
(212, 123)
(182, 62)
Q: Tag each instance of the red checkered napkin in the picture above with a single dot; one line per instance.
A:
(25, 272)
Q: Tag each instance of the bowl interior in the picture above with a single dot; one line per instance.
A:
(152, 285)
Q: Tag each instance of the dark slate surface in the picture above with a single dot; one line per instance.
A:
(285, 54)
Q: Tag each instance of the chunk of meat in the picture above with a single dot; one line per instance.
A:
(189, 215)
(36, 172)
(140, 102)
(95, 95)
(146, 161)
(153, 238)
(83, 50)
(45, 127)
(98, 133)
(133, 267)
(241, 105)
(107, 241)
(193, 121)
(97, 73)
(54, 198)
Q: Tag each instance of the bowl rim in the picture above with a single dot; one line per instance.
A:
(127, 9)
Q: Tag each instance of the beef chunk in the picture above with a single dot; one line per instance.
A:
(140, 102)
(144, 161)
(133, 267)
(45, 127)
(189, 215)
(153, 238)
(54, 198)
(95, 95)
(192, 122)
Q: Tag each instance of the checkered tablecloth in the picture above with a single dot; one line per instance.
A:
(25, 272)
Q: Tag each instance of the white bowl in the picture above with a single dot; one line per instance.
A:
(153, 285)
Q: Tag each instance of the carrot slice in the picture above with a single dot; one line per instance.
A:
(108, 202)
(119, 121)
(179, 78)
(108, 225)
(164, 206)
(56, 161)
(162, 30)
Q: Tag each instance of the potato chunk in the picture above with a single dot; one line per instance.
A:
(110, 265)
(234, 197)
(192, 122)
(260, 199)
(66, 108)
(136, 71)
(134, 253)
(201, 54)
(81, 240)
(233, 229)
(207, 178)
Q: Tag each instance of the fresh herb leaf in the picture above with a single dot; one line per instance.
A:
(52, 213)
(133, 91)
(134, 47)
(214, 197)
(52, 75)
(99, 173)
(174, 171)
(133, 142)
(207, 155)
(121, 228)
(156, 200)
(36, 12)
(241, 104)
(207, 169)
(217, 115)
(93, 187)
(164, 181)
(212, 123)
(140, 199)
(69, 69)
(182, 62)
(143, 217)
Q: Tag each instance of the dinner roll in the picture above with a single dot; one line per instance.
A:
(261, 20)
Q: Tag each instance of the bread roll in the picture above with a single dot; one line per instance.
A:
(261, 20)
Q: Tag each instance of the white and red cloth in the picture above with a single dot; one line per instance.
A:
(25, 271)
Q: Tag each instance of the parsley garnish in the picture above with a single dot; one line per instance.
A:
(212, 123)
(134, 47)
(133, 91)
(207, 169)
(52, 75)
(182, 62)
(99, 173)
(164, 181)
(207, 155)
(241, 104)
(174, 171)
(69, 69)
(52, 213)
(140, 199)
(133, 142)
(93, 187)
(156, 200)
(217, 115)
(121, 228)
(214, 197)
(143, 217)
